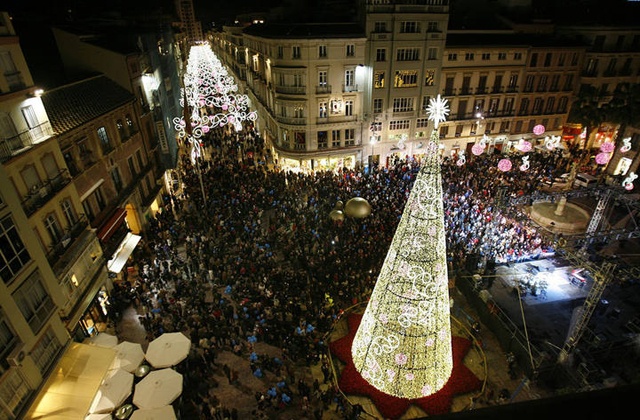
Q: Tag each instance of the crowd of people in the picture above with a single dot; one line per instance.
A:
(246, 252)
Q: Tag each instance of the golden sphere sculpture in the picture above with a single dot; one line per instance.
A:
(358, 208)
(339, 205)
(336, 215)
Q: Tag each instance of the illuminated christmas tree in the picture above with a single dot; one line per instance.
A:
(403, 344)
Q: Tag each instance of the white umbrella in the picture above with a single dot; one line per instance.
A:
(168, 350)
(115, 388)
(128, 357)
(158, 388)
(163, 413)
(102, 416)
(103, 340)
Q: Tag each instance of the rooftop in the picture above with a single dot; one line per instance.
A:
(306, 30)
(75, 104)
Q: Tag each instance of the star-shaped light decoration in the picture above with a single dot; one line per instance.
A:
(437, 110)
(461, 381)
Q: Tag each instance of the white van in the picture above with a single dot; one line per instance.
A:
(585, 180)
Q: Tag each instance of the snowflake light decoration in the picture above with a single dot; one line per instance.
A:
(438, 110)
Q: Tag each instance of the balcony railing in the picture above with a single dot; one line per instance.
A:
(57, 251)
(349, 88)
(291, 90)
(40, 196)
(323, 89)
(12, 146)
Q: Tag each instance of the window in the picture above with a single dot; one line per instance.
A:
(377, 106)
(381, 54)
(432, 53)
(592, 67)
(139, 160)
(533, 61)
(409, 27)
(348, 108)
(8, 339)
(432, 27)
(349, 137)
(88, 210)
(452, 57)
(402, 104)
(31, 178)
(50, 166)
(429, 76)
(422, 122)
(518, 127)
(117, 180)
(542, 83)
(322, 51)
(407, 54)
(380, 27)
(131, 127)
(425, 102)
(486, 56)
(322, 140)
(547, 59)
(121, 132)
(482, 84)
(513, 82)
(611, 68)
(44, 352)
(497, 84)
(295, 52)
(322, 110)
(562, 105)
(524, 106)
(349, 78)
(34, 302)
(502, 56)
(351, 50)
(537, 106)
(52, 226)
(104, 139)
(322, 78)
(280, 51)
(528, 84)
(335, 138)
(469, 56)
(399, 125)
(13, 254)
(132, 167)
(406, 78)
(378, 79)
(555, 82)
(550, 103)
(494, 105)
(568, 82)
(68, 211)
(508, 106)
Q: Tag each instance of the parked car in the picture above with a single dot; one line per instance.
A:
(585, 180)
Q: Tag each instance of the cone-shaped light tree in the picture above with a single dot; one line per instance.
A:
(403, 344)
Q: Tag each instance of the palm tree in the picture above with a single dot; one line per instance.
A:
(588, 110)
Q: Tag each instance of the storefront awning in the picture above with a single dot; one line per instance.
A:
(114, 222)
(73, 384)
(119, 259)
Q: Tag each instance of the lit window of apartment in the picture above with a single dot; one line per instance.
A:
(322, 110)
(349, 78)
(402, 104)
(377, 106)
(351, 50)
(407, 54)
(322, 51)
(409, 27)
(381, 54)
(104, 139)
(378, 79)
(406, 78)
(399, 125)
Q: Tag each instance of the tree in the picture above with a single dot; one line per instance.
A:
(588, 110)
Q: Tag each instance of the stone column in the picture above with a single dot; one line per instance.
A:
(561, 204)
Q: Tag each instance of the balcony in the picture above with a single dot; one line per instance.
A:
(320, 89)
(40, 196)
(291, 90)
(15, 81)
(481, 90)
(465, 90)
(58, 252)
(12, 146)
(292, 120)
(349, 88)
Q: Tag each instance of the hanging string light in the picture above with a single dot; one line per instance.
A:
(403, 344)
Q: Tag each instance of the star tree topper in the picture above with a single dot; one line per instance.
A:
(438, 110)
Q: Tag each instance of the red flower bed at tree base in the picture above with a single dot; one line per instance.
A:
(462, 380)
